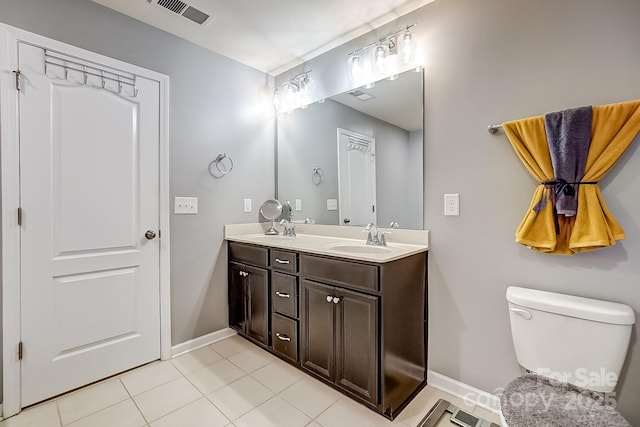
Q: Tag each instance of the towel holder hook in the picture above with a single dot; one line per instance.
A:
(220, 166)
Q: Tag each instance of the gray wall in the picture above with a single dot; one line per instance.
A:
(487, 62)
(215, 108)
(307, 138)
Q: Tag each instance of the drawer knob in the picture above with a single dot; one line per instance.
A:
(283, 295)
(336, 300)
(329, 298)
(282, 261)
(282, 337)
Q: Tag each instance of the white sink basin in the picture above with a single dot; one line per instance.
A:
(359, 249)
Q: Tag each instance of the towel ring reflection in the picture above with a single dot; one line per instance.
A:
(221, 165)
(317, 176)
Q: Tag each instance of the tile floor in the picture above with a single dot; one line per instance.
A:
(229, 383)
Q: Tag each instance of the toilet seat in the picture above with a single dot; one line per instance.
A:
(535, 401)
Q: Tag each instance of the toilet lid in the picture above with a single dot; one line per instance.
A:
(534, 401)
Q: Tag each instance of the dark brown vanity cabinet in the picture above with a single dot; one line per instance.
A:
(249, 293)
(359, 326)
(340, 337)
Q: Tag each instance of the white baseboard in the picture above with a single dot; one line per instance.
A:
(202, 341)
(475, 396)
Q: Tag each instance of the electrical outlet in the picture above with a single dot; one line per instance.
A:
(452, 205)
(247, 205)
(185, 205)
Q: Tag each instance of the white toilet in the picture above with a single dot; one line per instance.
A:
(574, 349)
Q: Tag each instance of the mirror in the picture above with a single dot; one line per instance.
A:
(357, 157)
(271, 210)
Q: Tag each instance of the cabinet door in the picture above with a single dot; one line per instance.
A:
(237, 300)
(357, 360)
(257, 288)
(317, 329)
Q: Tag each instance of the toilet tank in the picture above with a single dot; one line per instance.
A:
(575, 340)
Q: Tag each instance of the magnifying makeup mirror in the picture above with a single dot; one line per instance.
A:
(271, 210)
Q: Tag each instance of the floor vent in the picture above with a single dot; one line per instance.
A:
(185, 10)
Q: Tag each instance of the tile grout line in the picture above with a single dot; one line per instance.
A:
(134, 401)
(58, 411)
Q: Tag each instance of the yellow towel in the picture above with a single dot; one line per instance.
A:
(613, 129)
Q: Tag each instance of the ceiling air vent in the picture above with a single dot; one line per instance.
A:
(362, 96)
(185, 10)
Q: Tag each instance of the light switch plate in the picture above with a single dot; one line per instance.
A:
(185, 205)
(332, 204)
(247, 205)
(298, 204)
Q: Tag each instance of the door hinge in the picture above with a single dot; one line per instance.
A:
(20, 351)
(17, 74)
(20, 216)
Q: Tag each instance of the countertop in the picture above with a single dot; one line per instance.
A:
(337, 241)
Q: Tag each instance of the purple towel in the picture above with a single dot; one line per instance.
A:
(568, 136)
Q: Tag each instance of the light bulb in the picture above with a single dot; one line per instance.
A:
(355, 69)
(379, 56)
(276, 99)
(291, 90)
(408, 47)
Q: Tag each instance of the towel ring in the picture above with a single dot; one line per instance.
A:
(222, 164)
(317, 176)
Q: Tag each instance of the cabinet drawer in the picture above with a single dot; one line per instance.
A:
(248, 254)
(284, 295)
(284, 261)
(344, 273)
(285, 337)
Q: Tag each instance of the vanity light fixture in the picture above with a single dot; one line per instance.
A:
(293, 93)
(385, 54)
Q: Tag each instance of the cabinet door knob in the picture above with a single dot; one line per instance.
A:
(336, 300)
(329, 298)
(282, 337)
(280, 261)
(283, 295)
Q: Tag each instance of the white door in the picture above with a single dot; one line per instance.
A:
(89, 189)
(356, 178)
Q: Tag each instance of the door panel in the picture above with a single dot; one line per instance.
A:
(317, 335)
(356, 178)
(357, 344)
(94, 208)
(237, 300)
(89, 189)
(258, 304)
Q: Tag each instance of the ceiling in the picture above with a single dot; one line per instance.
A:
(398, 102)
(271, 36)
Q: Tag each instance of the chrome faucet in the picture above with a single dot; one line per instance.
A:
(289, 211)
(375, 237)
(289, 228)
